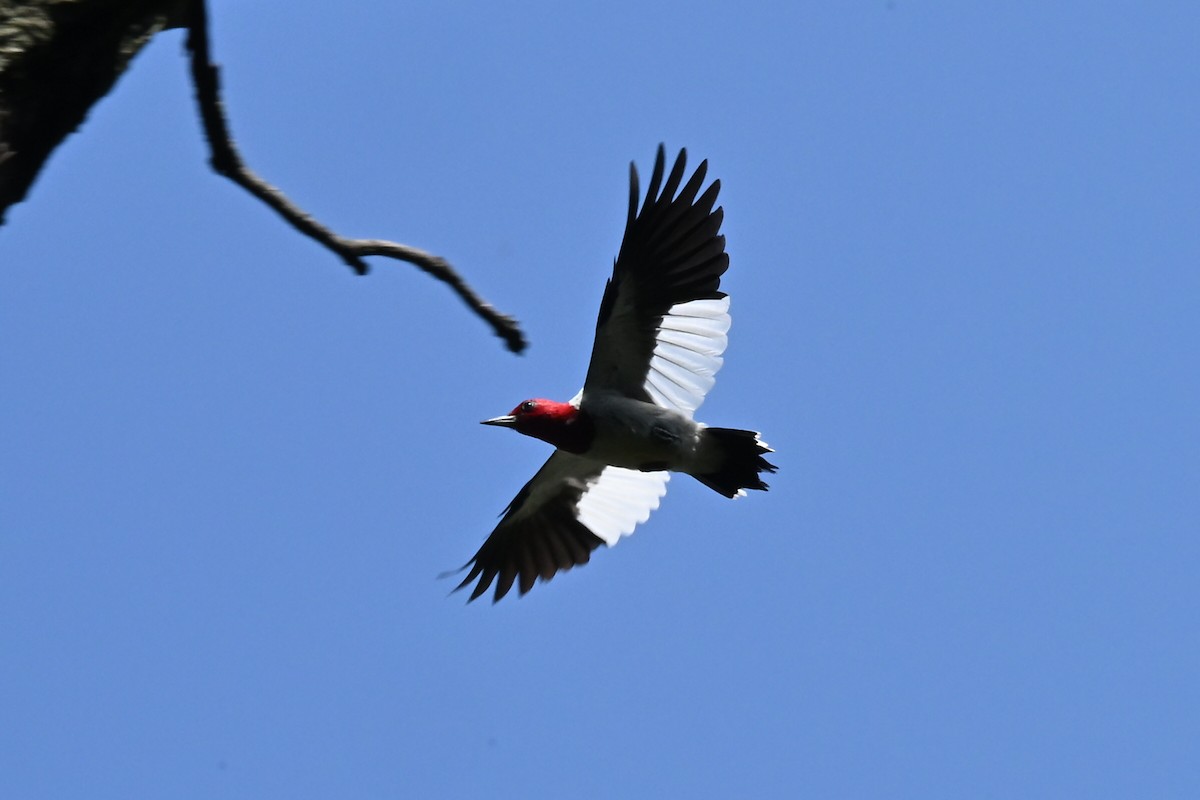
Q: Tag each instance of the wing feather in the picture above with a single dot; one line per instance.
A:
(663, 321)
(570, 507)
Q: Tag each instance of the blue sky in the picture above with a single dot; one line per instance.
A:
(964, 276)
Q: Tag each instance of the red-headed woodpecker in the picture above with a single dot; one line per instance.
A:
(659, 339)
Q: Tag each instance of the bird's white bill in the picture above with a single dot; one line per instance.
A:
(507, 421)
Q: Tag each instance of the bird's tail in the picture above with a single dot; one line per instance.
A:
(738, 460)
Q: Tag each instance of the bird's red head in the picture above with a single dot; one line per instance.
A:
(561, 424)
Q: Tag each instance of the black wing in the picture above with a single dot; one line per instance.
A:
(570, 507)
(663, 319)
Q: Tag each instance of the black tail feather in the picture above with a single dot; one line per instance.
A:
(741, 461)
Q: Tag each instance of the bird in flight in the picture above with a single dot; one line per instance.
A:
(659, 338)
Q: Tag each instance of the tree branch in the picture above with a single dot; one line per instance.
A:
(226, 161)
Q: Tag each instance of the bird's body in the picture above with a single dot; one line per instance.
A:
(612, 429)
(659, 338)
(638, 435)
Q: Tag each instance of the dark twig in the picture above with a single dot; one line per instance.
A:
(226, 161)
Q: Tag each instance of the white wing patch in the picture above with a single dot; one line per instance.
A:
(687, 354)
(619, 500)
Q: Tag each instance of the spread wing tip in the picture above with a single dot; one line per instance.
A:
(510, 575)
(653, 193)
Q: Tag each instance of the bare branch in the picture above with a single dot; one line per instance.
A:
(226, 161)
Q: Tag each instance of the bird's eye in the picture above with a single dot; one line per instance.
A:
(527, 406)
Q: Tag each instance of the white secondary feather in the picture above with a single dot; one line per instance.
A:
(687, 354)
(619, 500)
